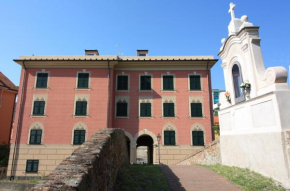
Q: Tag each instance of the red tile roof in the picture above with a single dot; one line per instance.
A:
(5, 82)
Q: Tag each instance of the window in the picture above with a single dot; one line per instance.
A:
(122, 82)
(169, 137)
(32, 165)
(168, 82)
(79, 137)
(197, 138)
(215, 97)
(168, 110)
(41, 80)
(237, 80)
(81, 108)
(90, 54)
(38, 107)
(145, 110)
(122, 109)
(145, 83)
(35, 137)
(194, 82)
(83, 80)
(142, 54)
(196, 110)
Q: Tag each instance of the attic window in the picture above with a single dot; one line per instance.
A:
(90, 54)
(142, 54)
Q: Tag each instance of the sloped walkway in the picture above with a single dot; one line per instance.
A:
(195, 178)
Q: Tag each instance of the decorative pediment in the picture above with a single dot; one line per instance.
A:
(169, 127)
(168, 99)
(80, 126)
(195, 99)
(82, 97)
(36, 125)
(197, 127)
(40, 97)
(122, 99)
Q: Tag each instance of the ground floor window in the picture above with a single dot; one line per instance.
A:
(32, 165)
(197, 138)
(169, 137)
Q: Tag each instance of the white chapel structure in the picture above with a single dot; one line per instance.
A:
(255, 110)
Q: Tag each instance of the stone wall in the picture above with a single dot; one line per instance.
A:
(93, 166)
(209, 155)
(11, 186)
(3, 172)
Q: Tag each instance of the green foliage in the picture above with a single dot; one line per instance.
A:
(247, 180)
(141, 177)
(4, 154)
(216, 128)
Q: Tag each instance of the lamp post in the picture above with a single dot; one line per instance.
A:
(158, 139)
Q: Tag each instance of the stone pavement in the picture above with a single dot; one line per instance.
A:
(195, 178)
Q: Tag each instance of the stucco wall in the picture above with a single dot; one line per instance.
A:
(93, 166)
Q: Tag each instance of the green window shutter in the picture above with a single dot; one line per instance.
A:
(196, 110)
(38, 136)
(76, 137)
(168, 83)
(169, 138)
(82, 136)
(38, 108)
(83, 80)
(201, 141)
(165, 109)
(195, 82)
(41, 80)
(28, 165)
(122, 83)
(148, 109)
(32, 165)
(199, 110)
(32, 137)
(145, 83)
(122, 109)
(81, 108)
(145, 110)
(197, 138)
(168, 110)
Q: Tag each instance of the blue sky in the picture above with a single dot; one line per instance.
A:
(165, 27)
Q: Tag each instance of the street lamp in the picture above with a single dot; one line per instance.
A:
(158, 139)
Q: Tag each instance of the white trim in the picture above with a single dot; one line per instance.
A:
(169, 127)
(197, 127)
(122, 99)
(37, 125)
(174, 82)
(39, 97)
(116, 86)
(145, 74)
(35, 80)
(79, 126)
(169, 99)
(77, 79)
(188, 82)
(81, 97)
(196, 99)
(145, 99)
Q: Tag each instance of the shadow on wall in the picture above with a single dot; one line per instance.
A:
(172, 180)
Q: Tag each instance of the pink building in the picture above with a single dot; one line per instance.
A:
(63, 100)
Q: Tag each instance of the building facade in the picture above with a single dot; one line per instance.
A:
(8, 94)
(63, 100)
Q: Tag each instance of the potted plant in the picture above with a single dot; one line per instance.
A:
(228, 96)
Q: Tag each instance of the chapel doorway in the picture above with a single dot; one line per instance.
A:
(144, 150)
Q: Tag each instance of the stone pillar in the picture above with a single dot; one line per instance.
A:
(133, 152)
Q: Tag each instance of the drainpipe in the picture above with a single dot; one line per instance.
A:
(108, 96)
(12, 119)
(18, 122)
(210, 100)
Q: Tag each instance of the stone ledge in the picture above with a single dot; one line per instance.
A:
(92, 166)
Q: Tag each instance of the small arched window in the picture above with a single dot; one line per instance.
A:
(237, 80)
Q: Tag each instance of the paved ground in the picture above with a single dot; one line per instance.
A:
(196, 178)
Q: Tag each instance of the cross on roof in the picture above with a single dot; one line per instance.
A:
(232, 8)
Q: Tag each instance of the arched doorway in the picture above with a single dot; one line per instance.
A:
(145, 149)
(128, 144)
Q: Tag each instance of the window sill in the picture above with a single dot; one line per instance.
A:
(145, 91)
(196, 117)
(80, 116)
(35, 88)
(35, 144)
(168, 90)
(163, 117)
(195, 90)
(122, 90)
(119, 117)
(80, 89)
(197, 145)
(37, 116)
(31, 172)
(143, 117)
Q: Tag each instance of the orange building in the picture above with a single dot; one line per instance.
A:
(8, 93)
(66, 99)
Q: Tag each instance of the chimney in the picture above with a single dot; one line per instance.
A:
(92, 52)
(142, 52)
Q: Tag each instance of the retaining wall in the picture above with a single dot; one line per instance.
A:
(93, 166)
(209, 155)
